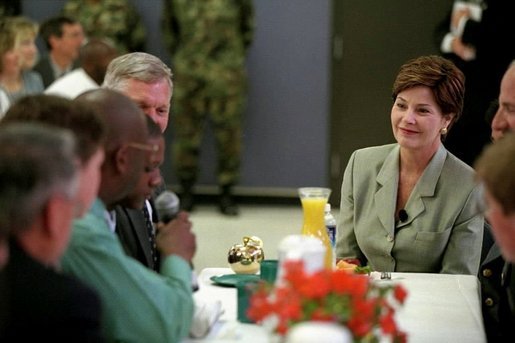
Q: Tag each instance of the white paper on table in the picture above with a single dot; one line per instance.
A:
(205, 316)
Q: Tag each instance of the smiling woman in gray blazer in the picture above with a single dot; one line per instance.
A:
(412, 206)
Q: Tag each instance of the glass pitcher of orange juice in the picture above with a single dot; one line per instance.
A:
(313, 200)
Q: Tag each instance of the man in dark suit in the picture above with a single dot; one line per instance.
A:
(494, 270)
(38, 201)
(495, 171)
(63, 38)
(151, 89)
(130, 223)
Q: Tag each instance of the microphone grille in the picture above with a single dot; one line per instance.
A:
(167, 204)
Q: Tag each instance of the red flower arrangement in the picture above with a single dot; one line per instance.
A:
(333, 296)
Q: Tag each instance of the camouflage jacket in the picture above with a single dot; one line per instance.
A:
(117, 20)
(208, 34)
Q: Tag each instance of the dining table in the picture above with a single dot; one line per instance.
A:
(438, 308)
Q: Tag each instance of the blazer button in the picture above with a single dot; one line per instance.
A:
(487, 272)
(489, 302)
(389, 238)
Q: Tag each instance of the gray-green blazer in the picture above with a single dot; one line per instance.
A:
(444, 229)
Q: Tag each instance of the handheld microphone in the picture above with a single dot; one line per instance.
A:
(403, 215)
(167, 206)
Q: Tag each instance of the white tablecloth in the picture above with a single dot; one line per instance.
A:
(439, 308)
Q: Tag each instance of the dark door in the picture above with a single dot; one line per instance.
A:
(371, 40)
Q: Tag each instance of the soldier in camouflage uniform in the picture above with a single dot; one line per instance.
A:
(208, 40)
(117, 20)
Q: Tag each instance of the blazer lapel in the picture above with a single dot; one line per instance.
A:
(386, 195)
(426, 186)
(137, 220)
(493, 254)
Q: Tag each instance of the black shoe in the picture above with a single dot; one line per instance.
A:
(228, 205)
(187, 201)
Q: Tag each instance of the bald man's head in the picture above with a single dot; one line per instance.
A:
(504, 119)
(95, 56)
(126, 143)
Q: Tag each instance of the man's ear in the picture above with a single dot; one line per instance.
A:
(52, 40)
(451, 118)
(121, 159)
(52, 216)
(56, 220)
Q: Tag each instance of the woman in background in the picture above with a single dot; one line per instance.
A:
(18, 54)
(412, 206)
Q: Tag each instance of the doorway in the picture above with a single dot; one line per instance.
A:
(371, 40)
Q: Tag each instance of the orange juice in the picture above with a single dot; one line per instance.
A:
(313, 210)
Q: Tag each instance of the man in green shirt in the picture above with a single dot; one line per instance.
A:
(139, 305)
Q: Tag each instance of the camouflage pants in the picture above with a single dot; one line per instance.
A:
(190, 113)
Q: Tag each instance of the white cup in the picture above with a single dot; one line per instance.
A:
(307, 249)
(308, 332)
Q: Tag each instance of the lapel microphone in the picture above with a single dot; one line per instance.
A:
(403, 215)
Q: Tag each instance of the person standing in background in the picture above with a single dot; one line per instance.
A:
(18, 54)
(208, 42)
(475, 37)
(63, 38)
(117, 20)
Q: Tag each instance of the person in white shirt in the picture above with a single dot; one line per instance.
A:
(4, 103)
(94, 57)
(63, 38)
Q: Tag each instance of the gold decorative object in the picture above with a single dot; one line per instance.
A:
(246, 258)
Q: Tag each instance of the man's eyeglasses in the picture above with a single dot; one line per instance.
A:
(145, 147)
